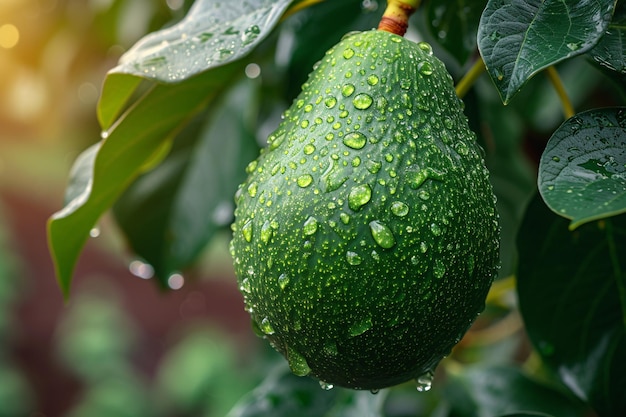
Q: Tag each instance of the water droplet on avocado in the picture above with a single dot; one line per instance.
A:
(425, 46)
(345, 218)
(423, 247)
(382, 234)
(359, 196)
(283, 281)
(425, 68)
(355, 140)
(348, 53)
(330, 102)
(246, 231)
(326, 386)
(310, 226)
(362, 101)
(435, 229)
(405, 84)
(439, 269)
(266, 232)
(372, 80)
(252, 189)
(309, 149)
(373, 166)
(360, 327)
(245, 285)
(353, 258)
(297, 362)
(399, 208)
(266, 326)
(424, 382)
(347, 90)
(304, 180)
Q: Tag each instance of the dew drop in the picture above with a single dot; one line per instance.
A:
(252, 189)
(399, 208)
(304, 180)
(556, 159)
(266, 326)
(246, 231)
(141, 269)
(439, 269)
(372, 79)
(266, 232)
(382, 234)
(245, 286)
(360, 327)
(310, 226)
(330, 102)
(374, 391)
(283, 281)
(345, 218)
(435, 229)
(359, 196)
(405, 84)
(353, 258)
(423, 247)
(425, 46)
(362, 101)
(326, 386)
(425, 68)
(297, 362)
(424, 382)
(373, 166)
(347, 90)
(309, 149)
(348, 53)
(355, 140)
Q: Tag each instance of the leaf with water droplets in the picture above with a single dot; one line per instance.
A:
(571, 289)
(610, 52)
(519, 38)
(582, 172)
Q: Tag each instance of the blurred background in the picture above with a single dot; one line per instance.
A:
(119, 346)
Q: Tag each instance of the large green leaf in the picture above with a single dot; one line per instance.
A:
(169, 214)
(610, 52)
(132, 143)
(572, 295)
(518, 38)
(498, 390)
(582, 172)
(214, 33)
(454, 24)
(282, 394)
(133, 139)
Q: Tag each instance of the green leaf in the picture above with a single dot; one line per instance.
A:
(582, 172)
(454, 24)
(610, 52)
(133, 142)
(282, 394)
(518, 38)
(572, 295)
(212, 34)
(499, 390)
(169, 214)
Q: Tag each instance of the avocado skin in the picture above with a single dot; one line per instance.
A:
(366, 235)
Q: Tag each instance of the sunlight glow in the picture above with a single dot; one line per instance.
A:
(9, 36)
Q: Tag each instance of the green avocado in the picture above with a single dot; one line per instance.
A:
(366, 235)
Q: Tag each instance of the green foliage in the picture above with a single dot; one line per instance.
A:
(180, 120)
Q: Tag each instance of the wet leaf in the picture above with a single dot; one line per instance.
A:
(169, 214)
(454, 24)
(518, 38)
(282, 394)
(572, 295)
(136, 138)
(212, 34)
(582, 172)
(610, 52)
(501, 390)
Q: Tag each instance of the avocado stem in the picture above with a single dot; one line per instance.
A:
(396, 16)
(470, 78)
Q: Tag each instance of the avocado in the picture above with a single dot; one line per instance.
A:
(366, 235)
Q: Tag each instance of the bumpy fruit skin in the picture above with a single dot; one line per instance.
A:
(366, 235)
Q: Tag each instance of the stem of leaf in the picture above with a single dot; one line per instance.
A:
(299, 6)
(617, 270)
(470, 78)
(553, 76)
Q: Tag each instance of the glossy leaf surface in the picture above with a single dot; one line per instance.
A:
(582, 173)
(572, 294)
(518, 38)
(169, 214)
(610, 52)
